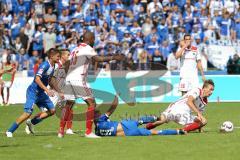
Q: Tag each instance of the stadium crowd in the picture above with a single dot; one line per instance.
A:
(146, 31)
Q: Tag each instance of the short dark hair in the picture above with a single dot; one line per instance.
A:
(52, 51)
(208, 82)
(64, 50)
(186, 35)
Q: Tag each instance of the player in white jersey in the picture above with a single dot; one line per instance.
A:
(190, 63)
(59, 78)
(76, 80)
(188, 110)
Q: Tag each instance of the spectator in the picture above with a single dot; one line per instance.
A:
(18, 45)
(50, 17)
(215, 6)
(15, 28)
(143, 59)
(226, 26)
(22, 59)
(38, 7)
(233, 65)
(157, 62)
(24, 40)
(49, 39)
(7, 41)
(173, 64)
(38, 40)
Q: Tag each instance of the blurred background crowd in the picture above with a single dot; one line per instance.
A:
(146, 31)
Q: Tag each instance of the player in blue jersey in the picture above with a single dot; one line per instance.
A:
(106, 127)
(38, 93)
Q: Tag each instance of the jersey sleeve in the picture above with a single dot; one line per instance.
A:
(91, 52)
(42, 69)
(195, 93)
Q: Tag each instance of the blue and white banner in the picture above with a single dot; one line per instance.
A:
(149, 90)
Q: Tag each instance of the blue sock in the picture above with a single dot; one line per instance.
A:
(147, 119)
(13, 127)
(36, 120)
(168, 132)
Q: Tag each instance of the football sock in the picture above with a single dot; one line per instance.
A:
(150, 126)
(62, 126)
(89, 119)
(13, 127)
(168, 132)
(191, 127)
(147, 119)
(36, 120)
(69, 118)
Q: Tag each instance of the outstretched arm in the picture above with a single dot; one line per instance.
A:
(41, 85)
(118, 57)
(113, 106)
(200, 68)
(192, 106)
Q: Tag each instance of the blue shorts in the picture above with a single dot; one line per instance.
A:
(41, 99)
(130, 128)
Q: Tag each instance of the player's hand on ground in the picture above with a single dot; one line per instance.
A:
(202, 119)
(50, 93)
(119, 57)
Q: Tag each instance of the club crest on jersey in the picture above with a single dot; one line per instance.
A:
(40, 71)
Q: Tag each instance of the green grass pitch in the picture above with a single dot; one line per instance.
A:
(209, 145)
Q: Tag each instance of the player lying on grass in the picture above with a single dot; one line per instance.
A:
(38, 93)
(106, 127)
(182, 111)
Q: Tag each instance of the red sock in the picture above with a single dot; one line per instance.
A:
(192, 126)
(150, 126)
(89, 119)
(69, 118)
(62, 121)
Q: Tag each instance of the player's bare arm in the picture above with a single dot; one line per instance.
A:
(113, 106)
(200, 68)
(54, 85)
(190, 103)
(41, 85)
(118, 57)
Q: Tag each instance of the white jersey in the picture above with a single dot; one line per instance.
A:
(80, 59)
(199, 102)
(181, 113)
(60, 75)
(188, 63)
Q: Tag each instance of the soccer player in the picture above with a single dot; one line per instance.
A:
(8, 78)
(76, 84)
(106, 127)
(59, 78)
(182, 111)
(190, 63)
(38, 93)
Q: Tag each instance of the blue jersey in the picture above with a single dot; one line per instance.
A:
(105, 127)
(45, 71)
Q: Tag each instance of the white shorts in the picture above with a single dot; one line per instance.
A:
(180, 114)
(186, 84)
(77, 89)
(7, 84)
